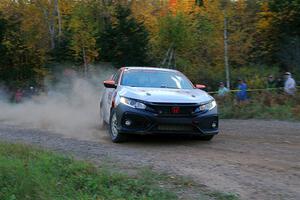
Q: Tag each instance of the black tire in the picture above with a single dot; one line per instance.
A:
(114, 133)
(204, 138)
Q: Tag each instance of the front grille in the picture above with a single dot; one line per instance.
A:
(166, 109)
(172, 127)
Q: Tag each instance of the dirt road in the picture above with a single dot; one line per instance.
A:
(255, 159)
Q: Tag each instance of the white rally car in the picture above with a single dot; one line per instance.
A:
(148, 100)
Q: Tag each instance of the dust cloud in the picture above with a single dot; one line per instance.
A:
(70, 109)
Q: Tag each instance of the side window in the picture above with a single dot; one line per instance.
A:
(117, 76)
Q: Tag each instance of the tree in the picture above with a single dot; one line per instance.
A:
(289, 53)
(21, 64)
(278, 30)
(3, 25)
(52, 17)
(176, 37)
(265, 36)
(287, 16)
(195, 33)
(125, 40)
(241, 29)
(287, 22)
(83, 39)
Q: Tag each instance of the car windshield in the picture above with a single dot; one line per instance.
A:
(155, 79)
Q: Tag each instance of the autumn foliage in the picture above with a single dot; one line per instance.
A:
(262, 36)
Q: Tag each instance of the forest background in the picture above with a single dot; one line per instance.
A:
(38, 36)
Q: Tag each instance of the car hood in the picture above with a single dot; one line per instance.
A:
(165, 95)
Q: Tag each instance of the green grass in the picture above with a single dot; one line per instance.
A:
(27, 173)
(261, 106)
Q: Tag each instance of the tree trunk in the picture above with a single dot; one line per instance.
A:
(52, 32)
(170, 59)
(166, 57)
(49, 20)
(51, 27)
(226, 52)
(175, 63)
(85, 62)
(51, 11)
(57, 10)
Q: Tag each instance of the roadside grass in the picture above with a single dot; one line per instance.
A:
(29, 173)
(182, 185)
(261, 106)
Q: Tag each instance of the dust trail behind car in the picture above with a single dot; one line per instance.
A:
(71, 110)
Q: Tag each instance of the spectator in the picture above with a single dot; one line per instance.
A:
(242, 91)
(271, 82)
(223, 91)
(289, 84)
(32, 92)
(279, 83)
(18, 96)
(3, 93)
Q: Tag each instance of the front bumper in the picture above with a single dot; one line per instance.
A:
(144, 122)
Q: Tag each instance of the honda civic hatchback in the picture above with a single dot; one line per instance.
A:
(148, 100)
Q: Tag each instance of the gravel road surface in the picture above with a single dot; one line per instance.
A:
(254, 158)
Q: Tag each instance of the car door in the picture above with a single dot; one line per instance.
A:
(109, 96)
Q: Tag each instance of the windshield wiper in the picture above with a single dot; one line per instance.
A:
(163, 86)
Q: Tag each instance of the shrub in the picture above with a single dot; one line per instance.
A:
(264, 105)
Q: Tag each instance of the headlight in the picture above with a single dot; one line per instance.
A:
(132, 103)
(209, 106)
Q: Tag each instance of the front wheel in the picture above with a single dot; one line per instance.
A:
(115, 135)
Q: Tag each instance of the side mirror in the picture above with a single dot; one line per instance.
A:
(110, 84)
(199, 86)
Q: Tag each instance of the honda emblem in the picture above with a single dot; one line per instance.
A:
(175, 110)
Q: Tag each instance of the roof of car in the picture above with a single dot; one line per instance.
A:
(150, 68)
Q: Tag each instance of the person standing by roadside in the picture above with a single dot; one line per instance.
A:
(223, 91)
(3, 93)
(18, 96)
(271, 84)
(242, 91)
(289, 84)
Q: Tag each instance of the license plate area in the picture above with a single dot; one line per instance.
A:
(174, 127)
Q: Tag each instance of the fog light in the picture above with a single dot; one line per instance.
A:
(128, 123)
(214, 125)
